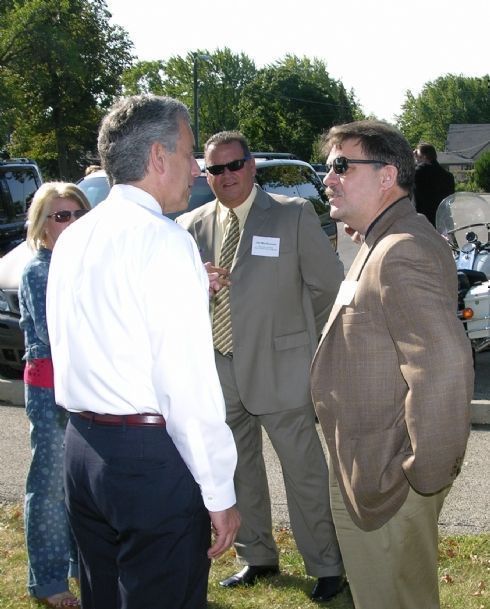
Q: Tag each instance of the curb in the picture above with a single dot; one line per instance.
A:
(480, 412)
(12, 394)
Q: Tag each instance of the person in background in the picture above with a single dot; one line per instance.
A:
(149, 459)
(51, 549)
(91, 169)
(432, 182)
(284, 276)
(392, 379)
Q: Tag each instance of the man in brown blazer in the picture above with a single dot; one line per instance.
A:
(392, 378)
(284, 279)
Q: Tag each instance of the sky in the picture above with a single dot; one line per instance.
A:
(378, 48)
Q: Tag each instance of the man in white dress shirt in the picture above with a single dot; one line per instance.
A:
(149, 459)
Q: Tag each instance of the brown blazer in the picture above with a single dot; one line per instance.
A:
(392, 378)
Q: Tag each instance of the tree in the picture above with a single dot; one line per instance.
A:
(481, 173)
(448, 99)
(290, 103)
(222, 75)
(144, 77)
(63, 59)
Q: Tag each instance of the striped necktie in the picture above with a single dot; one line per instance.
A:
(222, 335)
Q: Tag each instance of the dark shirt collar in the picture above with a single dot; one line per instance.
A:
(382, 214)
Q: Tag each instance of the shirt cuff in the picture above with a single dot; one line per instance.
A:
(219, 498)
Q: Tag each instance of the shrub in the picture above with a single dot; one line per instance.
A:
(481, 174)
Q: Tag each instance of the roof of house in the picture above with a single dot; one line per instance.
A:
(451, 158)
(468, 140)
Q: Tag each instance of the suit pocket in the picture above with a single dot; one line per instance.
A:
(291, 341)
(377, 466)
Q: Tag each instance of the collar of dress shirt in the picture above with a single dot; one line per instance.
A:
(136, 195)
(241, 212)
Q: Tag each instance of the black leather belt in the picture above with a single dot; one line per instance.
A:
(132, 420)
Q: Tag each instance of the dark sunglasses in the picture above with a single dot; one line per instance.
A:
(341, 164)
(217, 170)
(65, 215)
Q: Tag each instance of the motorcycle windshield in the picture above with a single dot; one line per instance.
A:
(461, 213)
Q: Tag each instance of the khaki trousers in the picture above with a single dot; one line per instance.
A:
(395, 566)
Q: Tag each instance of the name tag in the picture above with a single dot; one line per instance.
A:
(265, 246)
(346, 293)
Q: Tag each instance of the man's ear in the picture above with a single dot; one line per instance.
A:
(158, 157)
(388, 175)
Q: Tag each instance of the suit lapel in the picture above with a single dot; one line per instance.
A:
(400, 208)
(353, 275)
(256, 219)
(205, 229)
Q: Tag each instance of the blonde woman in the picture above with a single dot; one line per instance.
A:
(51, 549)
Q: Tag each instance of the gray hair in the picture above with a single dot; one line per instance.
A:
(378, 140)
(132, 126)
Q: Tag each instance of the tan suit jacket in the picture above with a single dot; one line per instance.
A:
(278, 304)
(392, 379)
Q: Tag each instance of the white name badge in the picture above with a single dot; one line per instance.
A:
(346, 293)
(265, 246)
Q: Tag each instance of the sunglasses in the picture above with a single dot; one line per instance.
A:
(217, 170)
(341, 164)
(66, 215)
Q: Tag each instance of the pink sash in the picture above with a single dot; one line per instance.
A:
(39, 373)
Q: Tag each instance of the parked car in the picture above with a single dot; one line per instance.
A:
(320, 170)
(284, 175)
(278, 173)
(19, 180)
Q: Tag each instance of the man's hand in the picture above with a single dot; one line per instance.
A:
(353, 234)
(225, 527)
(218, 277)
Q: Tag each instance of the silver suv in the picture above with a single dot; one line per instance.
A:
(276, 173)
(19, 180)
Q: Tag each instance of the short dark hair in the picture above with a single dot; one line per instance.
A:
(428, 151)
(227, 137)
(378, 140)
(132, 126)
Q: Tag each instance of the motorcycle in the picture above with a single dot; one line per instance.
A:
(463, 219)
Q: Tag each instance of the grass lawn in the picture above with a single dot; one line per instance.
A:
(464, 568)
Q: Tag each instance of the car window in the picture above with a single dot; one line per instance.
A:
(201, 193)
(294, 181)
(96, 189)
(17, 187)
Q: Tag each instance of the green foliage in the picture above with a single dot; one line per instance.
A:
(221, 77)
(448, 99)
(481, 173)
(144, 77)
(60, 65)
(290, 103)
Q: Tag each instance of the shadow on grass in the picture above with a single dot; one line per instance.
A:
(295, 588)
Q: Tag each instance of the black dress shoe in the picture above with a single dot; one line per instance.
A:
(249, 575)
(327, 587)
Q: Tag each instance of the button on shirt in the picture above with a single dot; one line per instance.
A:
(129, 326)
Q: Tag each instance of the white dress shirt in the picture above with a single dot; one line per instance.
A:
(128, 319)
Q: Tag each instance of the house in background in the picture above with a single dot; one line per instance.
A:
(464, 145)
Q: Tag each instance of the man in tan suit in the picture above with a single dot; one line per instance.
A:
(392, 378)
(284, 278)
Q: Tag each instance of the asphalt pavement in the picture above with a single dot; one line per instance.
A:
(466, 510)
